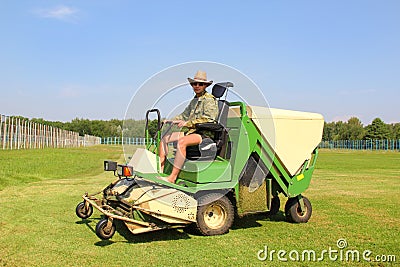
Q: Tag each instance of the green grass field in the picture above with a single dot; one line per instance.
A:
(355, 196)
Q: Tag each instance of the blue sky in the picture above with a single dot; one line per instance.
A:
(65, 59)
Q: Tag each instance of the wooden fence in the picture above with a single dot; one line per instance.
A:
(17, 133)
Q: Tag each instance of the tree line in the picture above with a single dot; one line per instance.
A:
(352, 129)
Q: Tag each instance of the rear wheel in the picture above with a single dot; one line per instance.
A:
(294, 212)
(84, 211)
(105, 229)
(215, 214)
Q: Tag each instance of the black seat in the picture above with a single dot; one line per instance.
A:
(210, 148)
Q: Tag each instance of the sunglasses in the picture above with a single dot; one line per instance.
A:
(197, 84)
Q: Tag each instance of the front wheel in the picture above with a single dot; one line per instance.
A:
(215, 214)
(105, 229)
(294, 212)
(84, 211)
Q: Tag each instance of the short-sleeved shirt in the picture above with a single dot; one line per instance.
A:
(200, 109)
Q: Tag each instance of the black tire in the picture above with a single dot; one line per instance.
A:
(293, 211)
(104, 232)
(82, 211)
(275, 206)
(215, 214)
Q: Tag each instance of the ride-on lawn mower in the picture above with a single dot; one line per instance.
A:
(256, 154)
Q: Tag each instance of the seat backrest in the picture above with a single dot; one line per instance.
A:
(218, 91)
(221, 137)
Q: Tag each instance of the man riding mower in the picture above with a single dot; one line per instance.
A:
(242, 161)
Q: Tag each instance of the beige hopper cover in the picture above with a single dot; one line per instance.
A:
(296, 133)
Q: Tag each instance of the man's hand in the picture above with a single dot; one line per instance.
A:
(180, 123)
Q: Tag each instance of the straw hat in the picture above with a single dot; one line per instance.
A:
(200, 76)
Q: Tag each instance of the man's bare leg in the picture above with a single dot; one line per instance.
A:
(183, 142)
(163, 150)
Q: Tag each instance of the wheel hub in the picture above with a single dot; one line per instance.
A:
(214, 216)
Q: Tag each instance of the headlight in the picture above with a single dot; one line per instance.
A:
(110, 165)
